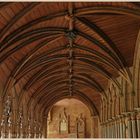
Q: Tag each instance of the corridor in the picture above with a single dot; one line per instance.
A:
(69, 69)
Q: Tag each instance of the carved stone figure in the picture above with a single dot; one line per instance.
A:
(63, 122)
(80, 126)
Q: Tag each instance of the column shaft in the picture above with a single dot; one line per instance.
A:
(138, 127)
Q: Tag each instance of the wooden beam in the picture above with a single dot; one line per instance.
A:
(17, 17)
(107, 9)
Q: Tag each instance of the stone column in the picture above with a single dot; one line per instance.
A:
(123, 128)
(14, 118)
(133, 121)
(32, 128)
(44, 127)
(14, 124)
(92, 126)
(25, 134)
(25, 124)
(118, 127)
(138, 127)
(113, 129)
(114, 106)
(110, 129)
(129, 126)
(108, 132)
(105, 131)
(138, 124)
(102, 131)
(1, 113)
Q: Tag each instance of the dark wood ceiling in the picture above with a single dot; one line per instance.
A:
(53, 49)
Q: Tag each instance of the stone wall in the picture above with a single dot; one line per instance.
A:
(121, 110)
(73, 110)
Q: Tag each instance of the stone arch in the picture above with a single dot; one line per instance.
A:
(136, 71)
(92, 115)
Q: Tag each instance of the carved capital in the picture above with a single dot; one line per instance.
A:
(137, 109)
(138, 116)
(133, 115)
(126, 114)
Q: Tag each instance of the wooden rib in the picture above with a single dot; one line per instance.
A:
(110, 43)
(107, 9)
(39, 31)
(4, 4)
(79, 94)
(53, 83)
(24, 61)
(63, 89)
(31, 24)
(16, 18)
(93, 64)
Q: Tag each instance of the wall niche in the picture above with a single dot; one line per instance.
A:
(70, 118)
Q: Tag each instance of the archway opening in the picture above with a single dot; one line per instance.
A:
(70, 118)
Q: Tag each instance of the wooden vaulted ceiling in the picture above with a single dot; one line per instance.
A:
(53, 49)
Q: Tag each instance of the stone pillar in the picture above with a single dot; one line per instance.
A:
(123, 128)
(106, 127)
(92, 127)
(26, 117)
(102, 131)
(14, 118)
(25, 134)
(134, 128)
(32, 128)
(44, 127)
(14, 123)
(129, 126)
(110, 129)
(138, 124)
(1, 113)
(105, 131)
(113, 129)
(118, 127)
